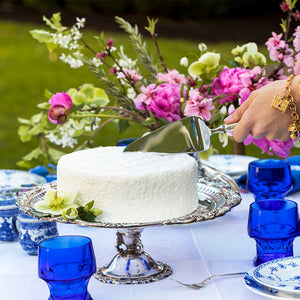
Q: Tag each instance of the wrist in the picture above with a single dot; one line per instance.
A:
(295, 91)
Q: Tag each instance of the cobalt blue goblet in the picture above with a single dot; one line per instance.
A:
(269, 178)
(273, 224)
(66, 263)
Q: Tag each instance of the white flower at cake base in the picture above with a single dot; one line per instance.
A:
(56, 201)
(66, 204)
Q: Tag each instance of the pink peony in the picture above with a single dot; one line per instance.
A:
(163, 100)
(61, 104)
(198, 106)
(281, 149)
(232, 82)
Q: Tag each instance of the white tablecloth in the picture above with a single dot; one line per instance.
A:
(193, 251)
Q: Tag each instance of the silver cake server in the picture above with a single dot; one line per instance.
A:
(189, 134)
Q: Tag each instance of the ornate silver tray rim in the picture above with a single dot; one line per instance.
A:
(217, 193)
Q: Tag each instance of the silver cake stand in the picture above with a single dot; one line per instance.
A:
(218, 193)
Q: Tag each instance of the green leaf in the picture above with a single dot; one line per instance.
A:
(35, 153)
(55, 21)
(24, 134)
(42, 36)
(44, 105)
(51, 46)
(35, 130)
(88, 206)
(206, 154)
(48, 94)
(55, 154)
(122, 125)
(37, 117)
(150, 120)
(24, 121)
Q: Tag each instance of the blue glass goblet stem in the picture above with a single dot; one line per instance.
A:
(66, 263)
(273, 224)
(269, 178)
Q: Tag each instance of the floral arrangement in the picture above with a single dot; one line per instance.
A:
(143, 90)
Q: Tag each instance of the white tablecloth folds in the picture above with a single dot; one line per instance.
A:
(194, 252)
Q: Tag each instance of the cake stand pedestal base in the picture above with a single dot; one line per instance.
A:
(132, 265)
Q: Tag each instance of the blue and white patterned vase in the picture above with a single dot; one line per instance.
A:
(8, 216)
(32, 231)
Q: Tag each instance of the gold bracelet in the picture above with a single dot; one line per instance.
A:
(287, 101)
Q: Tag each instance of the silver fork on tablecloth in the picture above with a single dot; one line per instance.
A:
(201, 284)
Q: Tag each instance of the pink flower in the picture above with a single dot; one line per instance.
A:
(163, 100)
(281, 149)
(228, 83)
(296, 41)
(297, 64)
(61, 104)
(284, 6)
(131, 74)
(238, 82)
(198, 106)
(279, 50)
(172, 76)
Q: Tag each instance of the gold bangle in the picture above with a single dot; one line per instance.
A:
(287, 101)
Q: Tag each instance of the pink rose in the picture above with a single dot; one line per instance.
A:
(61, 104)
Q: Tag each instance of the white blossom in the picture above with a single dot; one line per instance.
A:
(72, 61)
(80, 22)
(96, 62)
(202, 47)
(231, 109)
(223, 110)
(223, 138)
(62, 40)
(184, 61)
(76, 33)
(131, 94)
(125, 61)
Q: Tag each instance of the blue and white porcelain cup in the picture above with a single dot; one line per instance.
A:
(8, 216)
(32, 231)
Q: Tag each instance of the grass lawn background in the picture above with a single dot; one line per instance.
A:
(26, 71)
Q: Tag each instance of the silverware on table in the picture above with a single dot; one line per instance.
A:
(202, 284)
(189, 134)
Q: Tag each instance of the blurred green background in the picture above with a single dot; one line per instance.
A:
(27, 69)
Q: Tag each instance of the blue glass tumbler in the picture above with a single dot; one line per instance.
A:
(66, 263)
(269, 178)
(273, 224)
(125, 142)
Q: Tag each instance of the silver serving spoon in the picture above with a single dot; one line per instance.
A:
(189, 134)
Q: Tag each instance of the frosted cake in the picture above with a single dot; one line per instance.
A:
(131, 186)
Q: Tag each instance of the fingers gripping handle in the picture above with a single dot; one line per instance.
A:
(223, 128)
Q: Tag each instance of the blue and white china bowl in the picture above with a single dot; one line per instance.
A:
(8, 215)
(14, 179)
(32, 231)
(253, 285)
(282, 274)
(233, 165)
